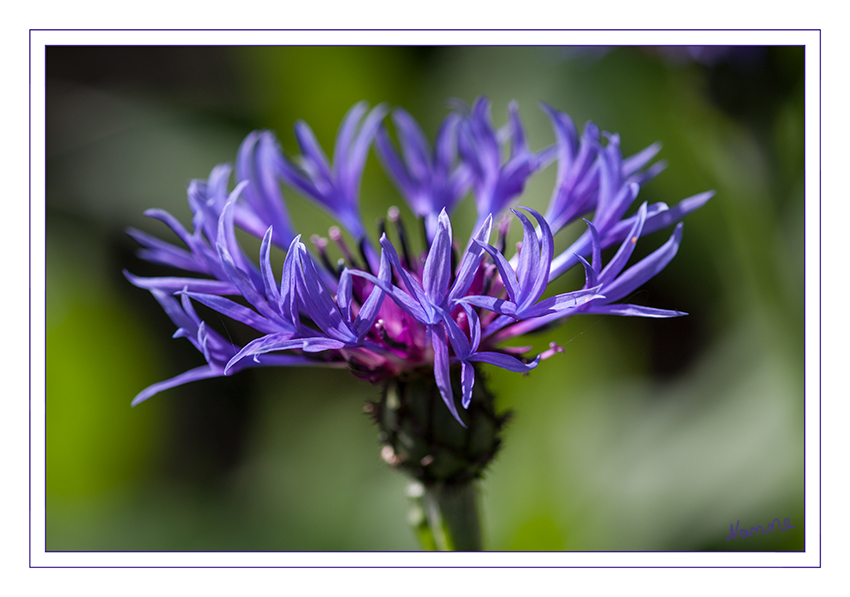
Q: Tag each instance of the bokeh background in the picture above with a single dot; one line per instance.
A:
(643, 435)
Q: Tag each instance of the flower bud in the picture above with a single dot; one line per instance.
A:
(421, 436)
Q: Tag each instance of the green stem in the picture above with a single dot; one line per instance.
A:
(447, 517)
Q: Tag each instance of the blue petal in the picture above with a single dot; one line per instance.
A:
(529, 258)
(673, 215)
(413, 287)
(637, 161)
(204, 372)
(505, 271)
(648, 267)
(238, 276)
(347, 131)
(492, 303)
(351, 169)
(471, 261)
(546, 245)
(394, 167)
(562, 302)
(172, 284)
(413, 143)
(235, 311)
(437, 270)
(322, 344)
(441, 370)
(504, 361)
(401, 298)
(269, 283)
(458, 339)
(467, 381)
(618, 262)
(589, 272)
(272, 342)
(313, 154)
(632, 311)
(371, 306)
(171, 222)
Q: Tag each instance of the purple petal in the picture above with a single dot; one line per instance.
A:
(401, 298)
(518, 144)
(351, 169)
(529, 257)
(445, 145)
(458, 339)
(474, 327)
(648, 267)
(226, 245)
(297, 178)
(272, 205)
(272, 342)
(288, 283)
(413, 143)
(673, 215)
(491, 303)
(505, 271)
(441, 370)
(172, 284)
(178, 316)
(595, 248)
(343, 294)
(347, 130)
(589, 272)
(204, 372)
(541, 277)
(318, 303)
(562, 302)
(371, 306)
(394, 167)
(321, 344)
(313, 154)
(566, 138)
(158, 251)
(618, 262)
(256, 162)
(170, 221)
(266, 268)
(467, 380)
(637, 161)
(632, 311)
(413, 287)
(471, 261)
(617, 233)
(437, 271)
(504, 361)
(235, 311)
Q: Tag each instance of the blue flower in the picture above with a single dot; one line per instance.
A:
(387, 311)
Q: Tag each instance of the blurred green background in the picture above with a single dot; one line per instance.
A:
(643, 435)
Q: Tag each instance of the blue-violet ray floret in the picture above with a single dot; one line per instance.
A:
(384, 310)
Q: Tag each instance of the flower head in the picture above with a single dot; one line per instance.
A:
(385, 310)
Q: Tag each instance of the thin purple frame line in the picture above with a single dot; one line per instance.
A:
(654, 551)
(820, 118)
(432, 567)
(29, 312)
(412, 551)
(820, 315)
(434, 30)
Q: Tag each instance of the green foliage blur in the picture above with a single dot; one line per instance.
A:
(643, 435)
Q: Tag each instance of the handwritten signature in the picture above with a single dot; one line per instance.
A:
(743, 532)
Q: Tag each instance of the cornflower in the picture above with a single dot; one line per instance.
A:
(418, 323)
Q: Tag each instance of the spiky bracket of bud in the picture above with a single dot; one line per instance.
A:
(420, 436)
